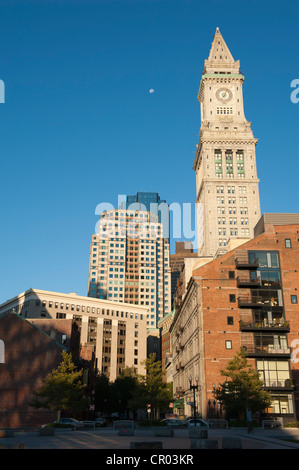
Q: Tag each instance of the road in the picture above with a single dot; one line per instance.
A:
(108, 439)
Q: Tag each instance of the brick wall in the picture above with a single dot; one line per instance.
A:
(29, 356)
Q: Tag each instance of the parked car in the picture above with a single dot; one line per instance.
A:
(69, 422)
(100, 422)
(199, 422)
(173, 422)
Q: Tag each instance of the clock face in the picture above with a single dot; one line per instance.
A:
(224, 94)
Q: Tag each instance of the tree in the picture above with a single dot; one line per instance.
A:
(62, 389)
(151, 389)
(102, 394)
(123, 389)
(244, 389)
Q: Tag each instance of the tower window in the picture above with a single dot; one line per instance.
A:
(224, 110)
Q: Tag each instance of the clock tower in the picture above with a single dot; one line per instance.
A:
(227, 190)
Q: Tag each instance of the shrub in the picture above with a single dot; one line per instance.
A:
(295, 424)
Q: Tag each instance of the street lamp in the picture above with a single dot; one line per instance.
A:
(194, 387)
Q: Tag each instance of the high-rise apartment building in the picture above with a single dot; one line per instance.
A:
(152, 203)
(129, 262)
(225, 164)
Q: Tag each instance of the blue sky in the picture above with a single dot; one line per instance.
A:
(79, 126)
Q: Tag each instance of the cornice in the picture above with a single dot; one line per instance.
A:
(229, 140)
(216, 78)
(220, 142)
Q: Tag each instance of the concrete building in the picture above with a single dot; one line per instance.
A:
(166, 345)
(227, 186)
(246, 298)
(129, 262)
(112, 334)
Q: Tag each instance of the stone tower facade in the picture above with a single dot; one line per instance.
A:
(227, 186)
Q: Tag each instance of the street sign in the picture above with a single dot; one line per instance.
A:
(178, 403)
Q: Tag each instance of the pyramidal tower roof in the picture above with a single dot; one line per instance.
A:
(220, 58)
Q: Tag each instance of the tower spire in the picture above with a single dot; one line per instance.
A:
(220, 58)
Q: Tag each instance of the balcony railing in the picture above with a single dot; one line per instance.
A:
(246, 281)
(279, 384)
(264, 325)
(257, 302)
(243, 262)
(257, 351)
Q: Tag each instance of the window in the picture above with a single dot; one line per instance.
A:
(273, 373)
(230, 320)
(294, 299)
(288, 243)
(232, 297)
(231, 274)
(228, 345)
(224, 110)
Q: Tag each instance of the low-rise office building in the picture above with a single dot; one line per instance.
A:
(114, 333)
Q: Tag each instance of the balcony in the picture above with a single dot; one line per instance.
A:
(246, 281)
(243, 262)
(285, 385)
(259, 302)
(280, 325)
(266, 351)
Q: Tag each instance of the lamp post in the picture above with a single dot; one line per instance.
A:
(194, 387)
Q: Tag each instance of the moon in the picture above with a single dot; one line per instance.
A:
(151, 90)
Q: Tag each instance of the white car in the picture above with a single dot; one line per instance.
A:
(199, 422)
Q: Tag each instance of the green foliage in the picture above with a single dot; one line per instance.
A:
(152, 389)
(294, 424)
(130, 391)
(244, 389)
(62, 389)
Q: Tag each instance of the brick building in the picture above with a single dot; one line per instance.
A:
(247, 298)
(182, 250)
(29, 355)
